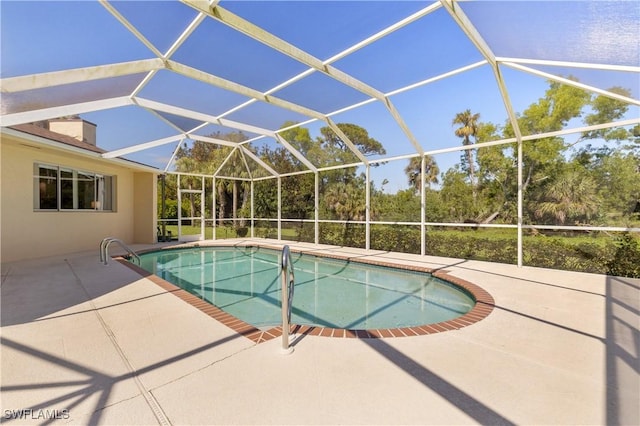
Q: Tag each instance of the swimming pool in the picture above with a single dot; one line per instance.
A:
(334, 293)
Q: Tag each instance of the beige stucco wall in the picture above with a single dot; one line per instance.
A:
(145, 199)
(26, 233)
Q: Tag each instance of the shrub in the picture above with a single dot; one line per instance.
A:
(242, 231)
(569, 252)
(626, 261)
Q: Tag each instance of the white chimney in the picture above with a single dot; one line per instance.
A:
(75, 127)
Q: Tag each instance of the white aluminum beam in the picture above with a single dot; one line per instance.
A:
(222, 142)
(78, 75)
(472, 33)
(185, 35)
(161, 118)
(174, 47)
(147, 78)
(395, 92)
(347, 141)
(259, 161)
(295, 152)
(198, 116)
(469, 29)
(173, 156)
(405, 129)
(246, 165)
(437, 78)
(474, 36)
(61, 111)
(270, 40)
(240, 89)
(130, 27)
(224, 162)
(385, 32)
(259, 34)
(406, 21)
(268, 92)
(628, 122)
(569, 64)
(573, 83)
(211, 140)
(141, 146)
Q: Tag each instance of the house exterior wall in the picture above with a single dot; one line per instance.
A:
(145, 199)
(26, 233)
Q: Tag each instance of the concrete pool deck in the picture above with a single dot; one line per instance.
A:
(96, 344)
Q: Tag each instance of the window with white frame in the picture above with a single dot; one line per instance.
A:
(62, 188)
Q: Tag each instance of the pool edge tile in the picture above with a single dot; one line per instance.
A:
(484, 305)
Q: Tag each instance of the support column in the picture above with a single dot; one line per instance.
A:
(367, 207)
(214, 210)
(520, 202)
(423, 207)
(279, 208)
(317, 209)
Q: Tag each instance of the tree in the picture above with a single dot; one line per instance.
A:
(414, 172)
(338, 149)
(571, 196)
(560, 104)
(604, 110)
(617, 176)
(347, 201)
(298, 192)
(468, 128)
(187, 164)
(496, 174)
(343, 191)
(206, 158)
(457, 196)
(402, 206)
(335, 151)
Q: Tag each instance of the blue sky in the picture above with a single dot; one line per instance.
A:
(423, 49)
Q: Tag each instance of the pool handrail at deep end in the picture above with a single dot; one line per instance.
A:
(104, 249)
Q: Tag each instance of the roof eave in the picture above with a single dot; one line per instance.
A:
(39, 140)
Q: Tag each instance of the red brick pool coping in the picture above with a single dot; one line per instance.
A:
(483, 307)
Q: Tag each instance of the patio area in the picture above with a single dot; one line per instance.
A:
(95, 344)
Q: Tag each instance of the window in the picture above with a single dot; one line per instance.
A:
(47, 181)
(61, 188)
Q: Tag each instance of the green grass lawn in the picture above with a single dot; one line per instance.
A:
(223, 232)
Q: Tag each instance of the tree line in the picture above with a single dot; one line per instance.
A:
(591, 178)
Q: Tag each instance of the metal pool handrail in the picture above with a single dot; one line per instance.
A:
(288, 283)
(104, 249)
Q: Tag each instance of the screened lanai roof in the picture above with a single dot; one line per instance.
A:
(157, 75)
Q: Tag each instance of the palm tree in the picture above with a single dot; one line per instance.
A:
(414, 171)
(346, 201)
(241, 189)
(572, 195)
(468, 127)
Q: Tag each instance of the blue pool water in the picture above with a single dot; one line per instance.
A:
(246, 283)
